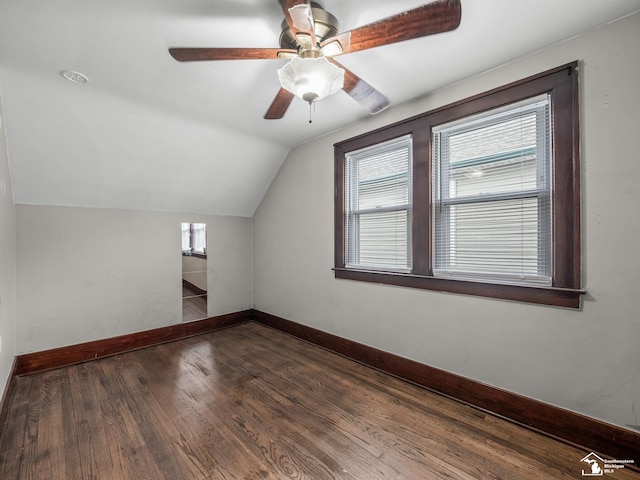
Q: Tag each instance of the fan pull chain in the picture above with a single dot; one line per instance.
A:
(314, 109)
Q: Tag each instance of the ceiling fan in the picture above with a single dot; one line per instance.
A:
(310, 40)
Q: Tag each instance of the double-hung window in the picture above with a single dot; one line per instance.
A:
(378, 209)
(480, 197)
(492, 195)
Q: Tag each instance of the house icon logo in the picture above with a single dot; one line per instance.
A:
(594, 466)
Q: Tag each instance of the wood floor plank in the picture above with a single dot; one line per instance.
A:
(203, 434)
(366, 413)
(17, 424)
(448, 429)
(252, 403)
(370, 413)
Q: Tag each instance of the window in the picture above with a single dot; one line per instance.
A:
(480, 197)
(378, 209)
(194, 239)
(492, 195)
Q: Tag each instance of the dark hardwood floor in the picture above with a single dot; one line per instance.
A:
(249, 402)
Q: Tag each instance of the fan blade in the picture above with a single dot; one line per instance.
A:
(300, 20)
(436, 17)
(202, 54)
(279, 105)
(361, 91)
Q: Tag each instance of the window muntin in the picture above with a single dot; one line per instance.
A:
(492, 195)
(378, 206)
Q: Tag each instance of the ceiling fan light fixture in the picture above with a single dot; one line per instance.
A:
(311, 79)
(332, 49)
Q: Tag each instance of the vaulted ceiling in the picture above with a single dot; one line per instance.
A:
(149, 133)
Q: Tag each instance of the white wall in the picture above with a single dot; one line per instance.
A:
(7, 262)
(86, 273)
(587, 361)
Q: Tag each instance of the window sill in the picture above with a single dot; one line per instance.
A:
(558, 297)
(197, 255)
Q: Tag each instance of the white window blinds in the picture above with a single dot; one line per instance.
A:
(199, 240)
(186, 237)
(492, 196)
(194, 238)
(378, 206)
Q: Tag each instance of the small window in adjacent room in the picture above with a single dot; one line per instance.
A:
(479, 197)
(194, 239)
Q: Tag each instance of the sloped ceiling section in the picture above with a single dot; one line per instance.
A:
(150, 133)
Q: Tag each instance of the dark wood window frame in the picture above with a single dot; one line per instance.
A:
(196, 255)
(562, 84)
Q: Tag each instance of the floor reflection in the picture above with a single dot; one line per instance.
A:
(194, 306)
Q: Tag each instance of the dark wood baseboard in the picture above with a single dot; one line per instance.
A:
(589, 434)
(63, 356)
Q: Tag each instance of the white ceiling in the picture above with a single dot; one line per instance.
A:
(150, 133)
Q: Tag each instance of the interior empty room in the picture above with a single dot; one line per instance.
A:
(319, 240)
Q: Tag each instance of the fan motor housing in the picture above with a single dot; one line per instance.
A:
(326, 26)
